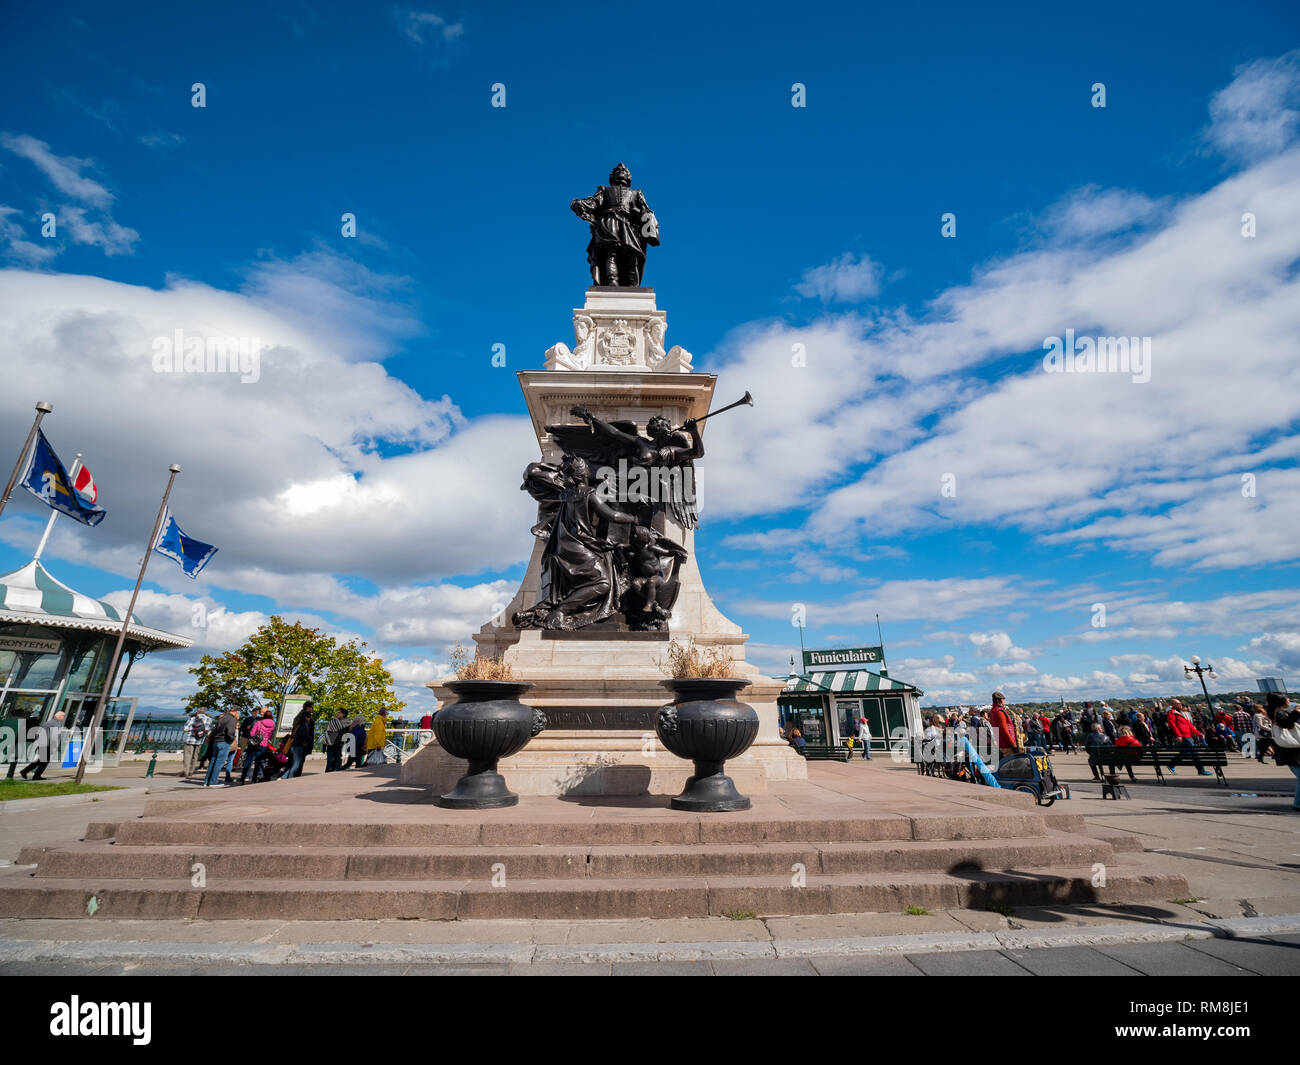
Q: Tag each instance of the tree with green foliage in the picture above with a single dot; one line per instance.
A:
(281, 659)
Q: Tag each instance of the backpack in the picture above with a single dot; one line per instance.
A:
(198, 727)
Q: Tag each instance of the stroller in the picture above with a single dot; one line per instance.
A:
(1032, 772)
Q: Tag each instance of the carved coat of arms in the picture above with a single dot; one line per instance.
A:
(617, 344)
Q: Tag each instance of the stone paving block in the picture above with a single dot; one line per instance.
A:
(1069, 961)
(561, 969)
(1259, 956)
(458, 969)
(967, 963)
(661, 968)
(53, 968)
(1170, 959)
(764, 967)
(866, 965)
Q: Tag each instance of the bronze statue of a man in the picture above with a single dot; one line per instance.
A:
(622, 224)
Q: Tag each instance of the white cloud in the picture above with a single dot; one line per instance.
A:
(1283, 647)
(429, 31)
(284, 475)
(1016, 669)
(88, 221)
(899, 600)
(997, 645)
(1078, 459)
(63, 172)
(843, 280)
(1258, 114)
(1092, 211)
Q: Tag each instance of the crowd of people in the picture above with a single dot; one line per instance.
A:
(219, 744)
(1244, 726)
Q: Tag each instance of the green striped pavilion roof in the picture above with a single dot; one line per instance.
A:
(846, 681)
(30, 596)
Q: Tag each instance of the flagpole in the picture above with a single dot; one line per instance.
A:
(126, 622)
(49, 525)
(42, 409)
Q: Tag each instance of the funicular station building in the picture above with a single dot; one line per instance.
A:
(55, 646)
(825, 704)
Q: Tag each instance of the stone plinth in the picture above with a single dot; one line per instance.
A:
(602, 682)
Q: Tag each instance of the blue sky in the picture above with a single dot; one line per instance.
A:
(368, 479)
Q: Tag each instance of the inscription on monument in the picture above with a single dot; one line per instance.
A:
(586, 718)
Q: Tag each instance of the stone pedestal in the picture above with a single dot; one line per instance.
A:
(600, 685)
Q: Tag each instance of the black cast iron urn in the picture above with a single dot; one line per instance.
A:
(485, 724)
(707, 724)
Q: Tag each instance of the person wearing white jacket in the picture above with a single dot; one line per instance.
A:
(864, 738)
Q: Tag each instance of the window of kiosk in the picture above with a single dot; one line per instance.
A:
(848, 711)
(810, 723)
(79, 679)
(876, 722)
(895, 715)
(34, 669)
(29, 705)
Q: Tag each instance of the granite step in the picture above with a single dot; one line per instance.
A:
(271, 862)
(481, 831)
(23, 895)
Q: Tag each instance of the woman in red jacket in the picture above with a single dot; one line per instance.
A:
(1003, 726)
(1127, 739)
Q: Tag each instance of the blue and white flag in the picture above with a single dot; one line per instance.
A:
(49, 482)
(192, 554)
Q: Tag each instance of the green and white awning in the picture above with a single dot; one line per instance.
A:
(846, 681)
(30, 596)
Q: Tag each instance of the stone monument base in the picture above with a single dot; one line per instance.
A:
(601, 738)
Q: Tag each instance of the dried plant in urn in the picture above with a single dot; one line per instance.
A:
(478, 667)
(485, 724)
(690, 660)
(706, 724)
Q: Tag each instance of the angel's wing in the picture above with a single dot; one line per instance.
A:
(598, 449)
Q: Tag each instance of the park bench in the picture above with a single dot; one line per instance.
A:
(1110, 760)
(824, 752)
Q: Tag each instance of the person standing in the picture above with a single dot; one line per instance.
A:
(302, 736)
(259, 743)
(1142, 730)
(196, 731)
(224, 734)
(1286, 737)
(334, 741)
(1243, 724)
(1263, 732)
(358, 734)
(43, 745)
(1004, 726)
(864, 737)
(377, 736)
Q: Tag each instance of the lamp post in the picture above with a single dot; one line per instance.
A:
(1201, 672)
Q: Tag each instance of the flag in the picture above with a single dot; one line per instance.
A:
(85, 484)
(48, 481)
(192, 554)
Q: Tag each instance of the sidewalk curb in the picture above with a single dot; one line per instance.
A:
(352, 954)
